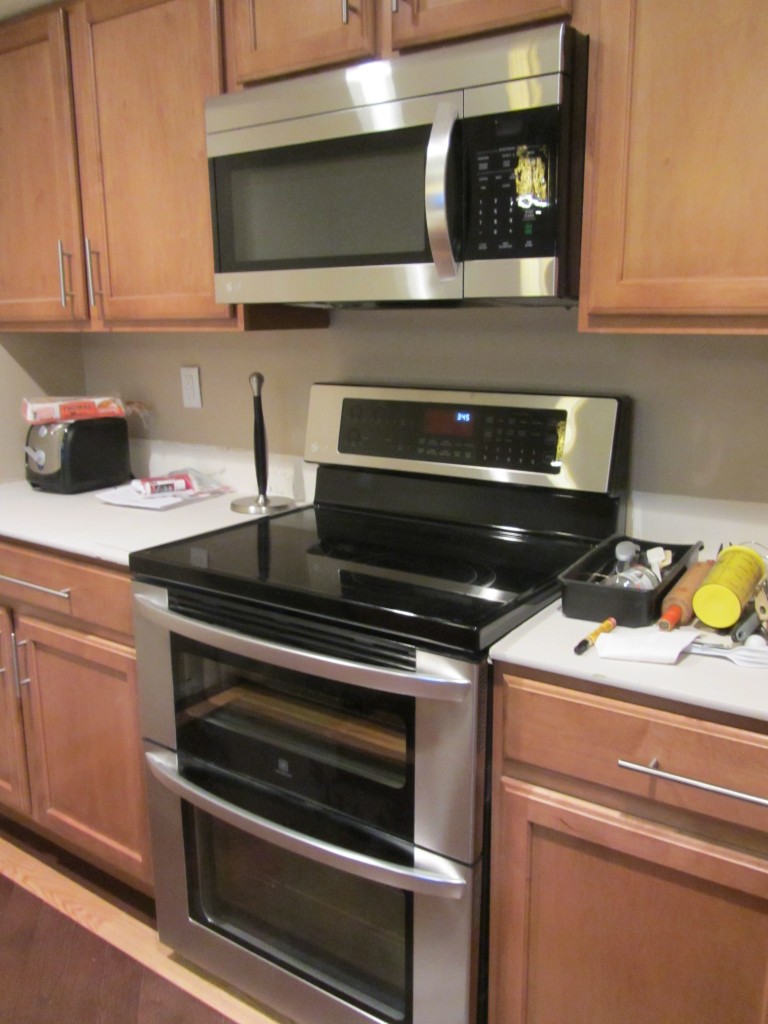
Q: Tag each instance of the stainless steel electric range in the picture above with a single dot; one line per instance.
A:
(314, 694)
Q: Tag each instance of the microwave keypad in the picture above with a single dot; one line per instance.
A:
(510, 212)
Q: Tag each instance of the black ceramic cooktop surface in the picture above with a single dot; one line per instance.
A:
(441, 585)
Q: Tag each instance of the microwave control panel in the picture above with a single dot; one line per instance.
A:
(500, 437)
(512, 174)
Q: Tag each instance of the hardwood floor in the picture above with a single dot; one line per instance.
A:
(72, 950)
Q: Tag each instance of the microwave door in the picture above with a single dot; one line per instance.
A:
(352, 206)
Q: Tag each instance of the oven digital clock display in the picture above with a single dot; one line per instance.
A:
(440, 421)
(494, 437)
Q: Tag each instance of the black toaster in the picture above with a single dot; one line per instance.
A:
(78, 455)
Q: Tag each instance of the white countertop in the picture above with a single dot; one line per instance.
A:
(545, 643)
(81, 524)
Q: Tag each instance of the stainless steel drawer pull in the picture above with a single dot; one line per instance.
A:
(657, 773)
(64, 594)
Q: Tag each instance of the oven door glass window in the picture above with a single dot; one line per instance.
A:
(325, 758)
(347, 935)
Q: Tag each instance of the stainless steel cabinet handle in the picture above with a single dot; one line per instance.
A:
(434, 191)
(346, 7)
(709, 787)
(93, 291)
(89, 273)
(64, 594)
(417, 684)
(433, 875)
(15, 645)
(65, 295)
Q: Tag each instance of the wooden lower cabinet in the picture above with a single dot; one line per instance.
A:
(599, 917)
(608, 902)
(71, 765)
(82, 733)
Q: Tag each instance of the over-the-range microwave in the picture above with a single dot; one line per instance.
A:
(448, 175)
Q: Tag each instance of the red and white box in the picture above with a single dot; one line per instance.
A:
(52, 410)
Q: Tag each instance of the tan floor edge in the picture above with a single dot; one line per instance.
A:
(121, 930)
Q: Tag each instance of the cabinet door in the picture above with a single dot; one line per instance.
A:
(85, 766)
(676, 227)
(13, 758)
(265, 39)
(141, 71)
(429, 21)
(42, 277)
(599, 917)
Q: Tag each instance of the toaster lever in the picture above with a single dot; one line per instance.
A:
(37, 455)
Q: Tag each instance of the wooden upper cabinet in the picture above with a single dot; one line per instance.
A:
(415, 22)
(42, 277)
(265, 39)
(676, 222)
(142, 70)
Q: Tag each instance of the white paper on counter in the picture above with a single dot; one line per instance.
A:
(647, 643)
(125, 495)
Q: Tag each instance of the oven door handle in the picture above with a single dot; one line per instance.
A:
(434, 875)
(418, 684)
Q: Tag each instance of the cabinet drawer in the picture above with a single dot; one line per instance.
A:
(586, 736)
(87, 593)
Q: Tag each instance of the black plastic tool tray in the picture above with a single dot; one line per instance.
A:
(585, 597)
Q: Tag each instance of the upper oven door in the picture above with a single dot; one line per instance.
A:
(271, 729)
(357, 205)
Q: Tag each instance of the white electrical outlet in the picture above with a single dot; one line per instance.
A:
(190, 387)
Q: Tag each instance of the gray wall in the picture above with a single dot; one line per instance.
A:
(699, 400)
(30, 365)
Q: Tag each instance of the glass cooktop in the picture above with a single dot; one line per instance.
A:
(427, 583)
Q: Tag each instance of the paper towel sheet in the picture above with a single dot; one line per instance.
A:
(648, 643)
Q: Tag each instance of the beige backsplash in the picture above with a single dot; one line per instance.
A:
(698, 400)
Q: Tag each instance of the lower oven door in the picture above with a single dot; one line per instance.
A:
(305, 927)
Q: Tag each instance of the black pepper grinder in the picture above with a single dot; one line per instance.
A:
(260, 504)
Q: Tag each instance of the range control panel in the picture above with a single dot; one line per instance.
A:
(566, 442)
(455, 434)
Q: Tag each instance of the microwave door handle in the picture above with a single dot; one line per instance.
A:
(435, 877)
(435, 178)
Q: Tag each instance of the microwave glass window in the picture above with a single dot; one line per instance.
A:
(348, 935)
(324, 203)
